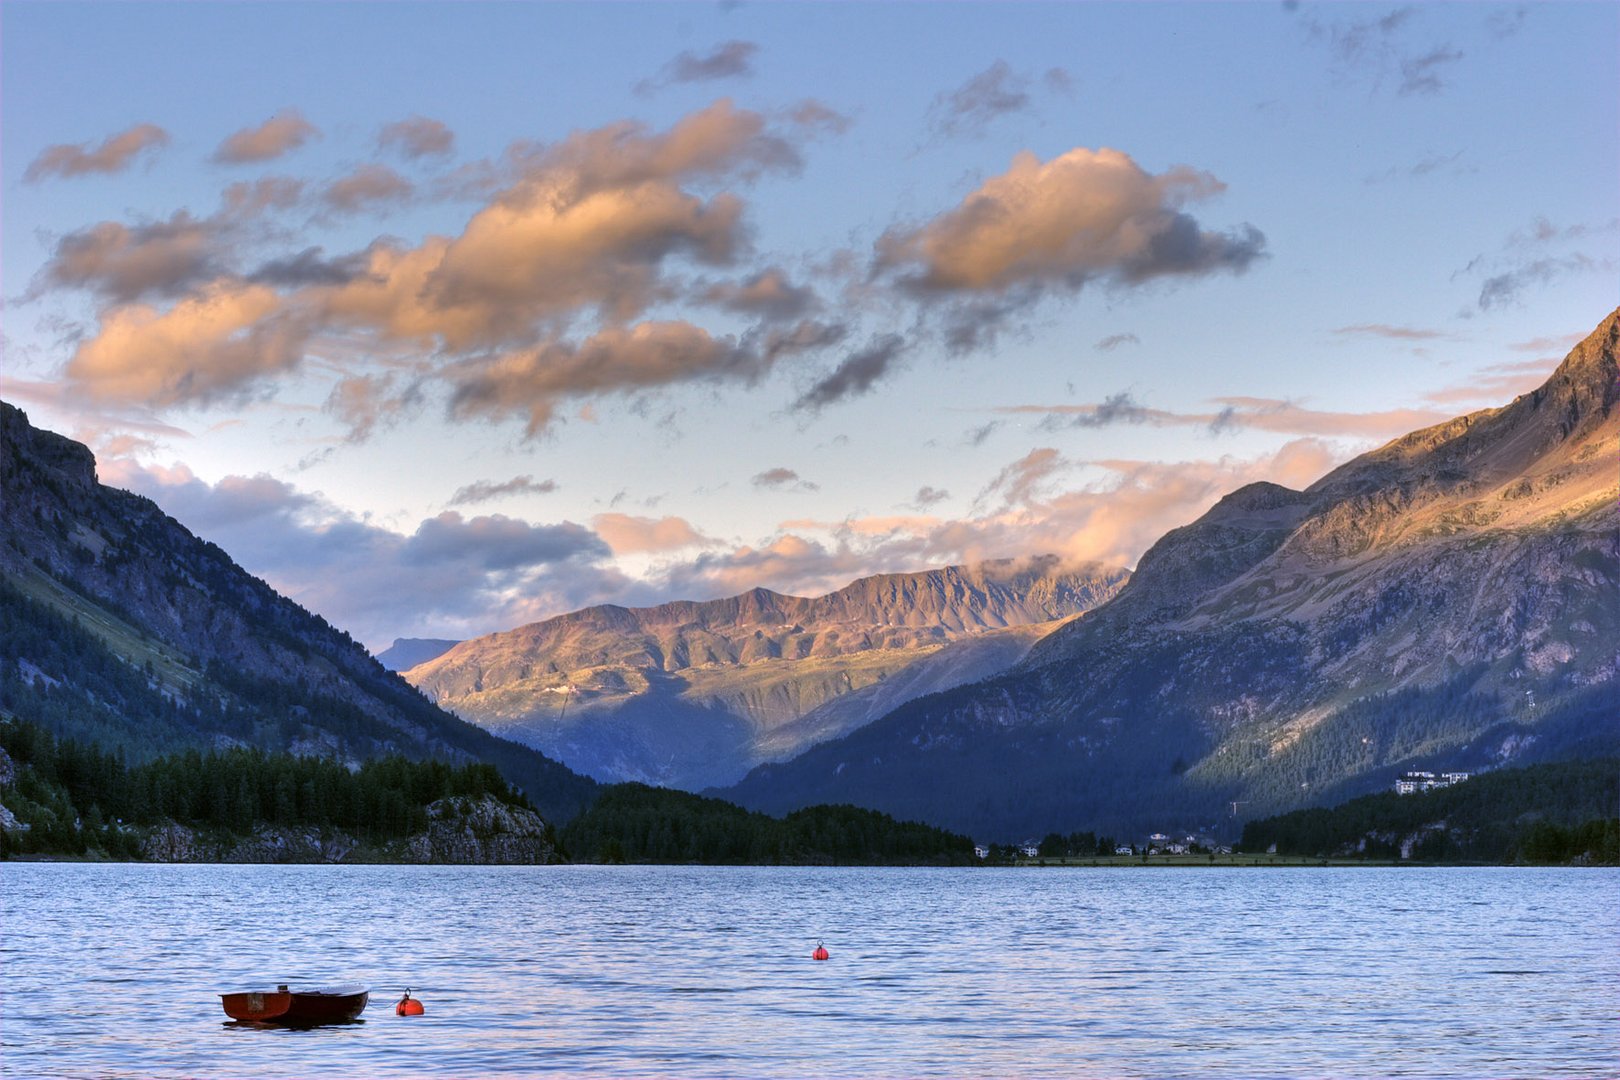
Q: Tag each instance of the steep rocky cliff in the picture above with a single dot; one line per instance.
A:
(690, 694)
(1447, 599)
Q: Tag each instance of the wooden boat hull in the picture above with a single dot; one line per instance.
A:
(332, 1005)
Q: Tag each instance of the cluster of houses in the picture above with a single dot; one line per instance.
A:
(1156, 844)
(1413, 782)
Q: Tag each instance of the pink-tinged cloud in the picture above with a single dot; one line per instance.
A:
(1085, 215)
(1496, 383)
(115, 154)
(209, 346)
(584, 234)
(1112, 521)
(251, 198)
(125, 263)
(366, 187)
(630, 535)
(281, 134)
(1385, 330)
(1260, 414)
(417, 137)
(534, 382)
(363, 404)
(767, 294)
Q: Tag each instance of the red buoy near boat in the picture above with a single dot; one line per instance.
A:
(408, 1006)
(820, 953)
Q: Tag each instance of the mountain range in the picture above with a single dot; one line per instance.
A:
(690, 694)
(1445, 601)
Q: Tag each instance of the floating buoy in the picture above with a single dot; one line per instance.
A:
(820, 953)
(408, 1006)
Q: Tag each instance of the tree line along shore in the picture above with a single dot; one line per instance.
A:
(66, 798)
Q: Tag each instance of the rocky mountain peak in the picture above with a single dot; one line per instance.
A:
(23, 446)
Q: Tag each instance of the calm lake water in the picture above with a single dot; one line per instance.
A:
(112, 971)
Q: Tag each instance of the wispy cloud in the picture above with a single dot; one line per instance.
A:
(1261, 414)
(113, 155)
(782, 478)
(1386, 330)
(481, 491)
(417, 137)
(281, 134)
(727, 60)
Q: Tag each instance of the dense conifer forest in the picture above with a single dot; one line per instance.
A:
(78, 799)
(1552, 813)
(640, 824)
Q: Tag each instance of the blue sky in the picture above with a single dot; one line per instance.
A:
(447, 317)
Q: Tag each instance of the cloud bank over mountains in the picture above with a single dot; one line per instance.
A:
(735, 317)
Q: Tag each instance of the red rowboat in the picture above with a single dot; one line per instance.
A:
(327, 1005)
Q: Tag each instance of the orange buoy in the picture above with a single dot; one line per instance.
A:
(408, 1006)
(820, 953)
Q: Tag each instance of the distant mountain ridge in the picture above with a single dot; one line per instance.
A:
(1448, 598)
(692, 693)
(121, 627)
(406, 653)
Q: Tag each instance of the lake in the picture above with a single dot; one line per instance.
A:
(113, 971)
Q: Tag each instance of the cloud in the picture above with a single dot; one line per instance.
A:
(1497, 383)
(1538, 254)
(1114, 341)
(1261, 414)
(585, 232)
(815, 116)
(281, 134)
(783, 479)
(495, 542)
(367, 186)
(1385, 330)
(125, 263)
(250, 198)
(628, 535)
(855, 375)
(1020, 481)
(767, 294)
(114, 155)
(310, 267)
(927, 496)
(485, 490)
(417, 137)
(209, 346)
(970, 109)
(1111, 520)
(450, 576)
(1449, 163)
(1559, 344)
(616, 360)
(1421, 74)
(1379, 50)
(1504, 289)
(1059, 224)
(727, 60)
(364, 403)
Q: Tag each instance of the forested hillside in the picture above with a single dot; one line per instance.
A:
(1550, 813)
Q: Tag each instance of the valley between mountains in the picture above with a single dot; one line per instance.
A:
(1446, 601)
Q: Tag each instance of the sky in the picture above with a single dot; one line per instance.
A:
(445, 318)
